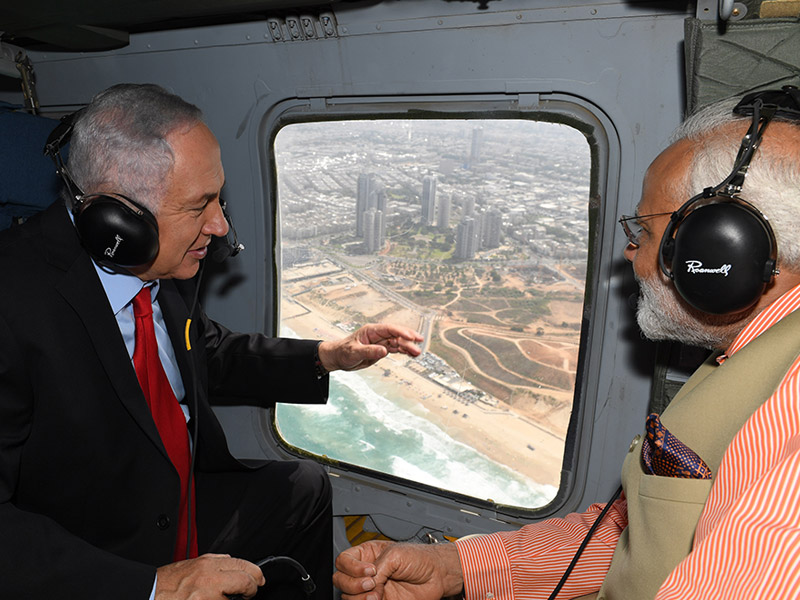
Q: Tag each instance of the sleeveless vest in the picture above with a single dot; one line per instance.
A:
(706, 414)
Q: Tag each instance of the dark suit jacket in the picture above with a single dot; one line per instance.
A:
(84, 477)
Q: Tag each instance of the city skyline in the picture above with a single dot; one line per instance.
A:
(541, 192)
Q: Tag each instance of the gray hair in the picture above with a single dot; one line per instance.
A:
(773, 180)
(119, 142)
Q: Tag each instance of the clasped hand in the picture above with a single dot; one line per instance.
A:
(208, 577)
(381, 570)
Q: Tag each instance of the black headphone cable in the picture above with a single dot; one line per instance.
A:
(231, 249)
(585, 543)
(305, 579)
(193, 413)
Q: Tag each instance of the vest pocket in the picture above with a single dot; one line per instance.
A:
(675, 489)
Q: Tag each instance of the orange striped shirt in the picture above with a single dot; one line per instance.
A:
(747, 542)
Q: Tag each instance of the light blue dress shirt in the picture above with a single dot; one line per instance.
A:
(120, 290)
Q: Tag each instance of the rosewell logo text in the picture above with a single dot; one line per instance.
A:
(696, 266)
(110, 252)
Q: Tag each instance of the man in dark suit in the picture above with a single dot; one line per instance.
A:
(91, 498)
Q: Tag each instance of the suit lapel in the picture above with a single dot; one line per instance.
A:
(82, 289)
(175, 312)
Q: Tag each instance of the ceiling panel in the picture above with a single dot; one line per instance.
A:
(86, 25)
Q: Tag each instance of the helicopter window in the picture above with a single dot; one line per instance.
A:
(474, 232)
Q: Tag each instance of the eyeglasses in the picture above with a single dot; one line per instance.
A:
(633, 231)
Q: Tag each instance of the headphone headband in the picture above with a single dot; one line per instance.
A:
(785, 103)
(116, 230)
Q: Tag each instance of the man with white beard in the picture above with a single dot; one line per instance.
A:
(711, 502)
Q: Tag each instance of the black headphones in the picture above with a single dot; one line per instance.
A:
(718, 249)
(115, 229)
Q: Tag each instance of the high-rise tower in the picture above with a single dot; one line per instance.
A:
(476, 146)
(443, 216)
(366, 197)
(428, 199)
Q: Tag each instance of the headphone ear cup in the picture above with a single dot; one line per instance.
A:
(666, 251)
(117, 231)
(722, 256)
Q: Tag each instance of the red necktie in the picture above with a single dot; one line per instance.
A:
(167, 413)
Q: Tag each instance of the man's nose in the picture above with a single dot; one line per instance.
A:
(630, 251)
(216, 224)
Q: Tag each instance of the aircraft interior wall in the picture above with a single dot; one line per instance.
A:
(621, 61)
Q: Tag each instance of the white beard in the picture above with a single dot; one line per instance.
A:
(662, 316)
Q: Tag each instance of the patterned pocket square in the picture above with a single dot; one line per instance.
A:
(665, 455)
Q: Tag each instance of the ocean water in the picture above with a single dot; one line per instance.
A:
(364, 424)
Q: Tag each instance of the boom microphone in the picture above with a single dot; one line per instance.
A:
(227, 248)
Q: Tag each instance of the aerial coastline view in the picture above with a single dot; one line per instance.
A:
(470, 233)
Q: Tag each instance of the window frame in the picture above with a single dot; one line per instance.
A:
(604, 180)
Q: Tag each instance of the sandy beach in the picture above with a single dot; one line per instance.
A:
(530, 448)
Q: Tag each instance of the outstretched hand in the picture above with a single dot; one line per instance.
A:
(389, 571)
(368, 345)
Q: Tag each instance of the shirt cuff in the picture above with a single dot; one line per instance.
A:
(486, 568)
